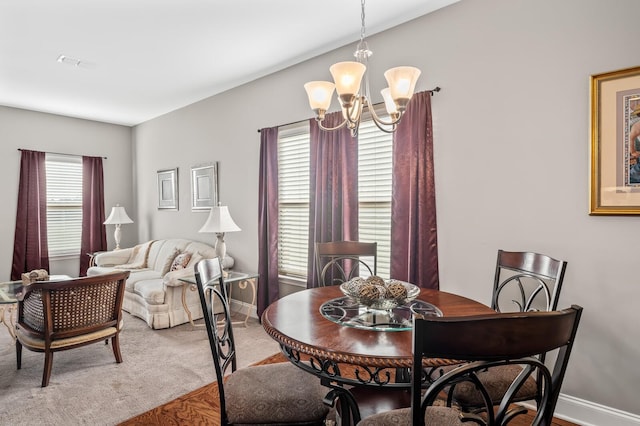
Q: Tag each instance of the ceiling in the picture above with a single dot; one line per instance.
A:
(139, 59)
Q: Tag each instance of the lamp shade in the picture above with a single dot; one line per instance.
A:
(347, 77)
(118, 216)
(319, 93)
(402, 83)
(219, 221)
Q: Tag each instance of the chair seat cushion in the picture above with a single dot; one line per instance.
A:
(275, 393)
(434, 416)
(496, 380)
(36, 343)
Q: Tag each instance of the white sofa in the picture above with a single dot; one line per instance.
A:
(152, 292)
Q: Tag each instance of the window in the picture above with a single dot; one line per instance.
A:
(64, 204)
(374, 195)
(293, 201)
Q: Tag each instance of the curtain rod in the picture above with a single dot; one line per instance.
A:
(432, 91)
(59, 153)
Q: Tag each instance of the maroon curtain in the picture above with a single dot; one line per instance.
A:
(333, 174)
(30, 250)
(414, 242)
(94, 237)
(268, 287)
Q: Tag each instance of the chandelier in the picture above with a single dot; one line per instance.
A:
(348, 83)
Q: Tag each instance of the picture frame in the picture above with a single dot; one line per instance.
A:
(168, 189)
(615, 143)
(204, 186)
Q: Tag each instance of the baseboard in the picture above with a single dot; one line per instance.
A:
(238, 306)
(587, 413)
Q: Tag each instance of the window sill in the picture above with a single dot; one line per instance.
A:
(65, 257)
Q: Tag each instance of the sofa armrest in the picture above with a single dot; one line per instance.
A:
(172, 278)
(115, 257)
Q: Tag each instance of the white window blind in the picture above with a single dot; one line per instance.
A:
(64, 204)
(374, 195)
(374, 191)
(293, 205)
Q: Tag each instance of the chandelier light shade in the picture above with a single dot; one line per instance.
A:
(219, 222)
(351, 82)
(118, 217)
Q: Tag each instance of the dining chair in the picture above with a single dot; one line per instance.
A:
(487, 341)
(281, 393)
(526, 281)
(61, 315)
(339, 261)
(523, 282)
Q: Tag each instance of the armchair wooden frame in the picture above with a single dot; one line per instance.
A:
(61, 315)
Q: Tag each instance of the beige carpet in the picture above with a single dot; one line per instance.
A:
(88, 387)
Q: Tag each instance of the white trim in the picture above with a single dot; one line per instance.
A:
(587, 413)
(242, 307)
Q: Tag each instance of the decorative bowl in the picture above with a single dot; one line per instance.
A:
(377, 293)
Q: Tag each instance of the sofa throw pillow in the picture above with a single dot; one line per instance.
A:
(168, 262)
(195, 258)
(181, 261)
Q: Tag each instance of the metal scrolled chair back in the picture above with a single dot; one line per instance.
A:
(217, 319)
(529, 333)
(532, 283)
(340, 261)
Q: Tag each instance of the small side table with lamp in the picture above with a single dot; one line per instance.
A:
(219, 222)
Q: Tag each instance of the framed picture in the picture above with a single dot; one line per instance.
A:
(204, 187)
(615, 143)
(168, 189)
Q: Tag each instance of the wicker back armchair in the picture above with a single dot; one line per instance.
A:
(61, 315)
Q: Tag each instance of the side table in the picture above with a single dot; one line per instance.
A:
(243, 279)
(9, 292)
(8, 299)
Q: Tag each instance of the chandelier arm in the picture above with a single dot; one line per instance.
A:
(378, 120)
(380, 124)
(349, 111)
(344, 123)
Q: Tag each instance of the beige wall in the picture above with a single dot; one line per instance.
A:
(511, 153)
(54, 133)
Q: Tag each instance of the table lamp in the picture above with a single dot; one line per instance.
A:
(220, 221)
(117, 217)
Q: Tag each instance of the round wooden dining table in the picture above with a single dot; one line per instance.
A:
(345, 355)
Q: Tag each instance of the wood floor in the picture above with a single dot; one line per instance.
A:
(200, 407)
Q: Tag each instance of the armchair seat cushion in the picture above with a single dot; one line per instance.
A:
(38, 343)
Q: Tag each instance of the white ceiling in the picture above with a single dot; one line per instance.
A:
(143, 58)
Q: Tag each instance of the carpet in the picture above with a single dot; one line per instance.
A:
(88, 387)
(200, 407)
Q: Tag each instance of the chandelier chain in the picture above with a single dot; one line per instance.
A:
(362, 28)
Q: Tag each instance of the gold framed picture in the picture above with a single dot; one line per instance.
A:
(615, 143)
